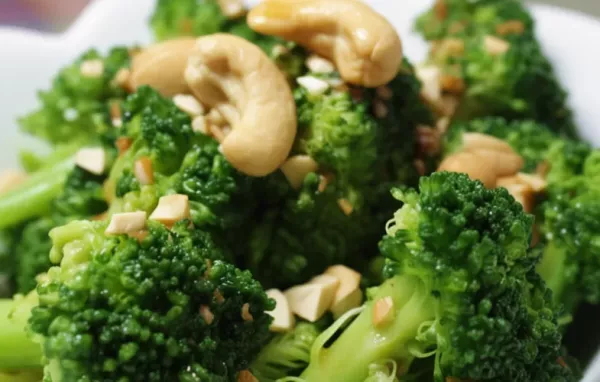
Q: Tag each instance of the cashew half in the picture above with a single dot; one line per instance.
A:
(364, 46)
(235, 77)
(162, 66)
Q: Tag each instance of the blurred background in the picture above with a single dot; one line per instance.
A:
(56, 15)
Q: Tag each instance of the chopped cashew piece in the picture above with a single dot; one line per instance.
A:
(207, 314)
(317, 64)
(11, 179)
(296, 168)
(246, 315)
(348, 294)
(92, 68)
(311, 301)
(364, 46)
(171, 209)
(383, 311)
(246, 376)
(188, 104)
(162, 66)
(283, 318)
(535, 181)
(470, 164)
(122, 77)
(127, 222)
(233, 9)
(199, 125)
(522, 193)
(142, 168)
(430, 77)
(495, 46)
(345, 206)
(478, 141)
(92, 159)
(351, 301)
(247, 87)
(313, 85)
(215, 117)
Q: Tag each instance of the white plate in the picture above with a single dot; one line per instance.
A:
(29, 60)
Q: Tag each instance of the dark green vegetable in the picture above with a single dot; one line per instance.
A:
(166, 307)
(464, 291)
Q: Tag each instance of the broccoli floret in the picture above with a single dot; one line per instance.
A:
(519, 83)
(568, 212)
(164, 306)
(76, 108)
(203, 17)
(462, 289)
(287, 354)
(463, 17)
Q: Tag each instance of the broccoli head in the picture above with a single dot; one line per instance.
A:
(77, 107)
(161, 306)
(462, 288)
(462, 17)
(287, 354)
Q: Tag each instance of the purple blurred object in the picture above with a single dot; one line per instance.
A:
(43, 15)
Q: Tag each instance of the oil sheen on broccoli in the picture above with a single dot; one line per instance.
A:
(162, 307)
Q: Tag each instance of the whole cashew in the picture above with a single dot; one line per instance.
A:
(162, 66)
(363, 44)
(235, 77)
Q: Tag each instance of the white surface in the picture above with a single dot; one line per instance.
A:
(29, 60)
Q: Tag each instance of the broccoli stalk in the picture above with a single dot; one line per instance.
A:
(462, 287)
(17, 350)
(33, 197)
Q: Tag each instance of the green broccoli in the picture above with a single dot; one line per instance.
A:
(516, 82)
(203, 17)
(287, 354)
(567, 213)
(462, 289)
(160, 307)
(462, 17)
(77, 107)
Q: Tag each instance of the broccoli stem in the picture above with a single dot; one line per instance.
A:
(33, 197)
(362, 343)
(17, 350)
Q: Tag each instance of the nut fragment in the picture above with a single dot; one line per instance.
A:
(246, 376)
(383, 311)
(127, 222)
(317, 64)
(230, 73)
(188, 104)
(535, 181)
(11, 179)
(283, 318)
(345, 206)
(199, 125)
(510, 27)
(478, 141)
(92, 159)
(207, 314)
(246, 315)
(142, 168)
(122, 77)
(311, 301)
(523, 187)
(123, 144)
(495, 46)
(313, 85)
(233, 9)
(430, 77)
(348, 294)
(93, 68)
(364, 46)
(297, 167)
(162, 66)
(470, 164)
(171, 209)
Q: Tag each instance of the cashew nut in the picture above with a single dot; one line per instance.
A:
(162, 66)
(470, 164)
(364, 46)
(235, 77)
